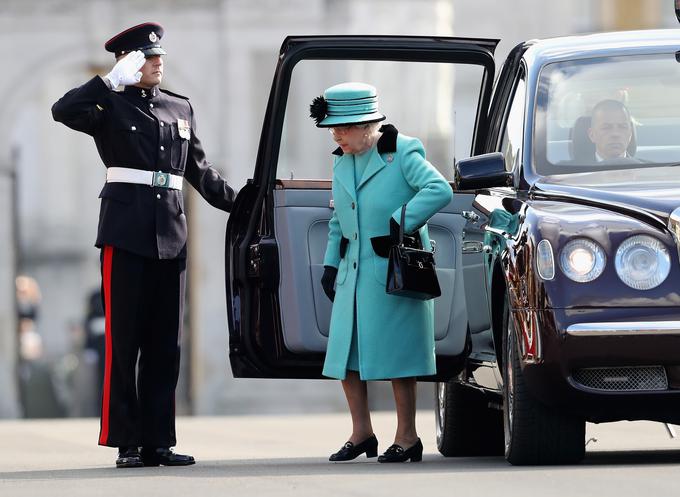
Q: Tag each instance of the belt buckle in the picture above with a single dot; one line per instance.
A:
(161, 179)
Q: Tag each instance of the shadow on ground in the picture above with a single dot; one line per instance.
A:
(315, 466)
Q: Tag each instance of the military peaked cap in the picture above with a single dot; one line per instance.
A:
(144, 37)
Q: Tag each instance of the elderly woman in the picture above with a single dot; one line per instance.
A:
(374, 335)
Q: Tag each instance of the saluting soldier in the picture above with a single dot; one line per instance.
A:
(146, 138)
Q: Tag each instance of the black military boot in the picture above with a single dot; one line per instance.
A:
(156, 456)
(129, 457)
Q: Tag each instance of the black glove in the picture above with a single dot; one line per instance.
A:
(328, 281)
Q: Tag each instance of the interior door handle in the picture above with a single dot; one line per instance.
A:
(471, 216)
(472, 247)
(498, 232)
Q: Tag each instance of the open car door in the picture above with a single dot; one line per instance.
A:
(437, 89)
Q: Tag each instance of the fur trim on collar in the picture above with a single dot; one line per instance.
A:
(387, 143)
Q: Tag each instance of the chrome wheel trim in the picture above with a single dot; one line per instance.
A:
(441, 409)
(509, 388)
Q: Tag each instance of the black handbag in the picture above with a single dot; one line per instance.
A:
(410, 271)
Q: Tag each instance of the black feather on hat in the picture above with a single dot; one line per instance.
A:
(318, 109)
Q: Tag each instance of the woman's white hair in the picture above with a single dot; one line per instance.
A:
(372, 127)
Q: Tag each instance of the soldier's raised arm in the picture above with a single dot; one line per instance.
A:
(83, 108)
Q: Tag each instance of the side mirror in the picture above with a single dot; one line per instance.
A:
(482, 171)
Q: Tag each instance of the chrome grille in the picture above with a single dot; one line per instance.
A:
(623, 379)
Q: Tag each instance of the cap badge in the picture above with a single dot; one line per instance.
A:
(153, 38)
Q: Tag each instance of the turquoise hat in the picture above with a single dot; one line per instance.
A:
(346, 104)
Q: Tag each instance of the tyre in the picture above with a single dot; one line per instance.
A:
(533, 432)
(466, 425)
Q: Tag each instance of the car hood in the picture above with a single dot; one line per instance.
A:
(649, 193)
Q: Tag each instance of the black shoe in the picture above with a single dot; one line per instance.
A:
(350, 451)
(396, 453)
(164, 456)
(129, 457)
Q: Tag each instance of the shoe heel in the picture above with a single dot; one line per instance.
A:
(417, 454)
(372, 449)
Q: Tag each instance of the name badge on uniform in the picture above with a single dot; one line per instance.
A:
(184, 129)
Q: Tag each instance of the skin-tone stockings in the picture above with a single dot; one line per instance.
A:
(405, 399)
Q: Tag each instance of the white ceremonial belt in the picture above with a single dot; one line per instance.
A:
(140, 177)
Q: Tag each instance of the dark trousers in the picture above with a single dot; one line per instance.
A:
(143, 304)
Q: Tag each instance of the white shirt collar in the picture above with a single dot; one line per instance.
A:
(598, 158)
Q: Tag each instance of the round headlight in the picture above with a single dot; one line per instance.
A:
(582, 260)
(642, 262)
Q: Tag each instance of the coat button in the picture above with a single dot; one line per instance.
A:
(133, 128)
(355, 236)
(162, 147)
(158, 196)
(151, 105)
(353, 205)
(355, 265)
(162, 124)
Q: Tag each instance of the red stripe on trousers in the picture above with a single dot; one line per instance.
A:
(106, 394)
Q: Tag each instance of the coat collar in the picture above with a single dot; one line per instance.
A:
(375, 164)
(344, 164)
(387, 143)
(343, 171)
(143, 93)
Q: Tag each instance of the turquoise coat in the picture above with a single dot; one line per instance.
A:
(395, 335)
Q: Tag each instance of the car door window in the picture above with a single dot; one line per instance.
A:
(435, 102)
(511, 141)
(605, 114)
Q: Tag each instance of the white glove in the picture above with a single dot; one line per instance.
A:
(126, 71)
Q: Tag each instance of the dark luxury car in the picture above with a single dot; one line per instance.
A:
(558, 256)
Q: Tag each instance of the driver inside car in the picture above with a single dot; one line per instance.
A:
(611, 131)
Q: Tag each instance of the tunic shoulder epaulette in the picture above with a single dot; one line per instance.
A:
(174, 94)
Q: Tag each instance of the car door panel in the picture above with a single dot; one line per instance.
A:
(474, 267)
(301, 222)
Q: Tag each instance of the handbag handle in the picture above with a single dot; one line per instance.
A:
(401, 225)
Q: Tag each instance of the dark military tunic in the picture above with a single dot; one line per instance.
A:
(142, 233)
(143, 129)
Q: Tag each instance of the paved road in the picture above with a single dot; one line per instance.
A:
(286, 456)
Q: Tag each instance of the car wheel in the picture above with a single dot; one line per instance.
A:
(534, 433)
(466, 425)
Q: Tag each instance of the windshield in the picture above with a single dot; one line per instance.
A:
(607, 114)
